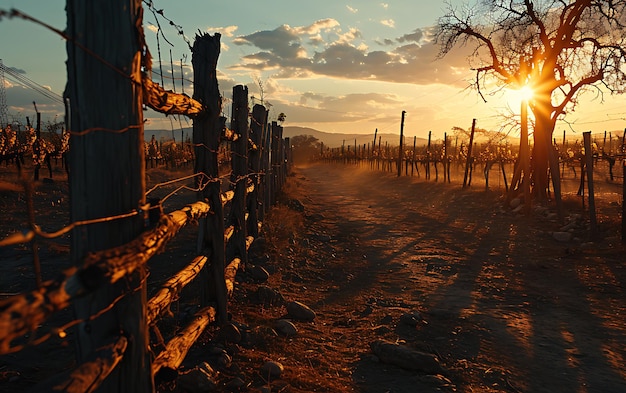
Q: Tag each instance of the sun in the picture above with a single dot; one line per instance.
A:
(516, 97)
(526, 93)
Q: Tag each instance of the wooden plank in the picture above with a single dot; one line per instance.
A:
(229, 275)
(88, 376)
(170, 291)
(178, 347)
(23, 313)
(167, 101)
(231, 270)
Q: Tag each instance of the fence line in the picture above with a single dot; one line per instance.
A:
(260, 163)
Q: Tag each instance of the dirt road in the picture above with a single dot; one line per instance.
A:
(503, 305)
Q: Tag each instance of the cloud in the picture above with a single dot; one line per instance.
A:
(20, 104)
(388, 22)
(228, 31)
(322, 25)
(416, 36)
(410, 58)
(349, 108)
(352, 10)
(384, 5)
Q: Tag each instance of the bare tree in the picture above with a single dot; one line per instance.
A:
(557, 48)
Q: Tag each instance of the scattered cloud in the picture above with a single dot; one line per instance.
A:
(416, 36)
(352, 10)
(384, 5)
(410, 58)
(228, 31)
(388, 22)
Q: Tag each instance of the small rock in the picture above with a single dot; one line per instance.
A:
(300, 311)
(235, 384)
(199, 379)
(515, 202)
(518, 209)
(224, 360)
(258, 273)
(405, 357)
(258, 245)
(272, 369)
(568, 227)
(563, 237)
(286, 328)
(411, 318)
(269, 296)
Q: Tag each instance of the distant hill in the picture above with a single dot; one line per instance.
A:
(331, 139)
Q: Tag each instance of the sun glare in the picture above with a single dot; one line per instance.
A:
(525, 93)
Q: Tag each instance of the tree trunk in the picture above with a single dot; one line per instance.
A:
(107, 175)
(545, 160)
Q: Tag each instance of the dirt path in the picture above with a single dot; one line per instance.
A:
(504, 306)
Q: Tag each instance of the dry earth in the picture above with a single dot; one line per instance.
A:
(502, 305)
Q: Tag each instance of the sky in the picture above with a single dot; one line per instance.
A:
(336, 66)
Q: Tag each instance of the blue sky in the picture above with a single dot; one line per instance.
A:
(338, 66)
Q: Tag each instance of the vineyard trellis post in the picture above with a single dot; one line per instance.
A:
(257, 127)
(592, 201)
(400, 144)
(207, 130)
(469, 155)
(107, 175)
(236, 247)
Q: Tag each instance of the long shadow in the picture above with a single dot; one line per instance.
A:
(500, 305)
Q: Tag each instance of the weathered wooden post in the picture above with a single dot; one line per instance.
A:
(236, 247)
(274, 162)
(623, 199)
(592, 201)
(105, 117)
(400, 145)
(280, 156)
(255, 202)
(207, 130)
(469, 153)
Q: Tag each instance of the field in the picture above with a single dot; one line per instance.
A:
(503, 305)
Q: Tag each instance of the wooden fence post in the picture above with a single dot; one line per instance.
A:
(592, 201)
(207, 130)
(266, 163)
(400, 151)
(273, 163)
(107, 176)
(469, 153)
(236, 247)
(255, 202)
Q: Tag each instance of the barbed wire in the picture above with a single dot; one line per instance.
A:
(177, 27)
(35, 230)
(60, 331)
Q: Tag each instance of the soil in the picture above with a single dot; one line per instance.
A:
(501, 304)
